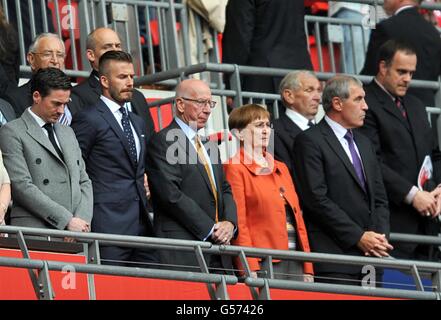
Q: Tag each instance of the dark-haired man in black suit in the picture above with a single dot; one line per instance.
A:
(340, 184)
(406, 24)
(397, 124)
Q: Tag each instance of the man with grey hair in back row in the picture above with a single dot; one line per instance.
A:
(340, 185)
(301, 93)
(47, 50)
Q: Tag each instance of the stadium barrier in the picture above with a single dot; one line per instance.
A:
(88, 244)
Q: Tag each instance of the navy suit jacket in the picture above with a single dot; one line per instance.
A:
(118, 183)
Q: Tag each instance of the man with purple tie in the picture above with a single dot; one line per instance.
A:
(340, 184)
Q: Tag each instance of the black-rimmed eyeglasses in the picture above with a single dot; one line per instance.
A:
(201, 103)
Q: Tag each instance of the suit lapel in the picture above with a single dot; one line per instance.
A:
(110, 118)
(36, 132)
(192, 156)
(414, 123)
(389, 106)
(336, 146)
(290, 126)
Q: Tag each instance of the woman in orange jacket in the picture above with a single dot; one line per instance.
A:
(268, 210)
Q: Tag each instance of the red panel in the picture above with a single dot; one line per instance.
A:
(19, 285)
(166, 114)
(279, 294)
(126, 288)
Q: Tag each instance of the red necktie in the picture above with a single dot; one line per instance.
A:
(400, 107)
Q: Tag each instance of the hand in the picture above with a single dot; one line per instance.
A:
(308, 278)
(425, 203)
(78, 225)
(253, 274)
(374, 244)
(69, 239)
(437, 194)
(223, 232)
(146, 186)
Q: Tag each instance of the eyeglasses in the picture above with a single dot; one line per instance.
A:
(46, 55)
(201, 103)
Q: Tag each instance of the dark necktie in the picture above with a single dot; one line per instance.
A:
(129, 134)
(400, 106)
(50, 130)
(356, 162)
(310, 123)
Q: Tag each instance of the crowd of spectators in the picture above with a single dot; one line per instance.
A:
(87, 159)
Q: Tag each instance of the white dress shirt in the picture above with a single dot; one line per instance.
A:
(114, 108)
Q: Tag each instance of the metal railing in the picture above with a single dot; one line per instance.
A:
(163, 26)
(233, 74)
(216, 283)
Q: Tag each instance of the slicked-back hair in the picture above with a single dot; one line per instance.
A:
(34, 45)
(388, 50)
(112, 55)
(292, 81)
(47, 79)
(338, 86)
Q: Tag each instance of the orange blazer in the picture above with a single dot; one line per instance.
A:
(260, 208)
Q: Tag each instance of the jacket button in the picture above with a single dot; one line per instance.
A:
(38, 161)
(46, 181)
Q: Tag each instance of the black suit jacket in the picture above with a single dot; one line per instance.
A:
(285, 132)
(20, 98)
(88, 94)
(265, 33)
(425, 40)
(401, 145)
(183, 202)
(118, 183)
(336, 209)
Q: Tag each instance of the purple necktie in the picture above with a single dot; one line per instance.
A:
(356, 162)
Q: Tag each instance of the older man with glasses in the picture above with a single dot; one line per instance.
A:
(191, 198)
(47, 50)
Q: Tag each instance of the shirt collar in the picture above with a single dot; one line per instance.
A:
(112, 105)
(338, 129)
(189, 132)
(37, 118)
(297, 118)
(402, 8)
(384, 89)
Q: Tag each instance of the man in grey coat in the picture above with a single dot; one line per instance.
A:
(50, 186)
